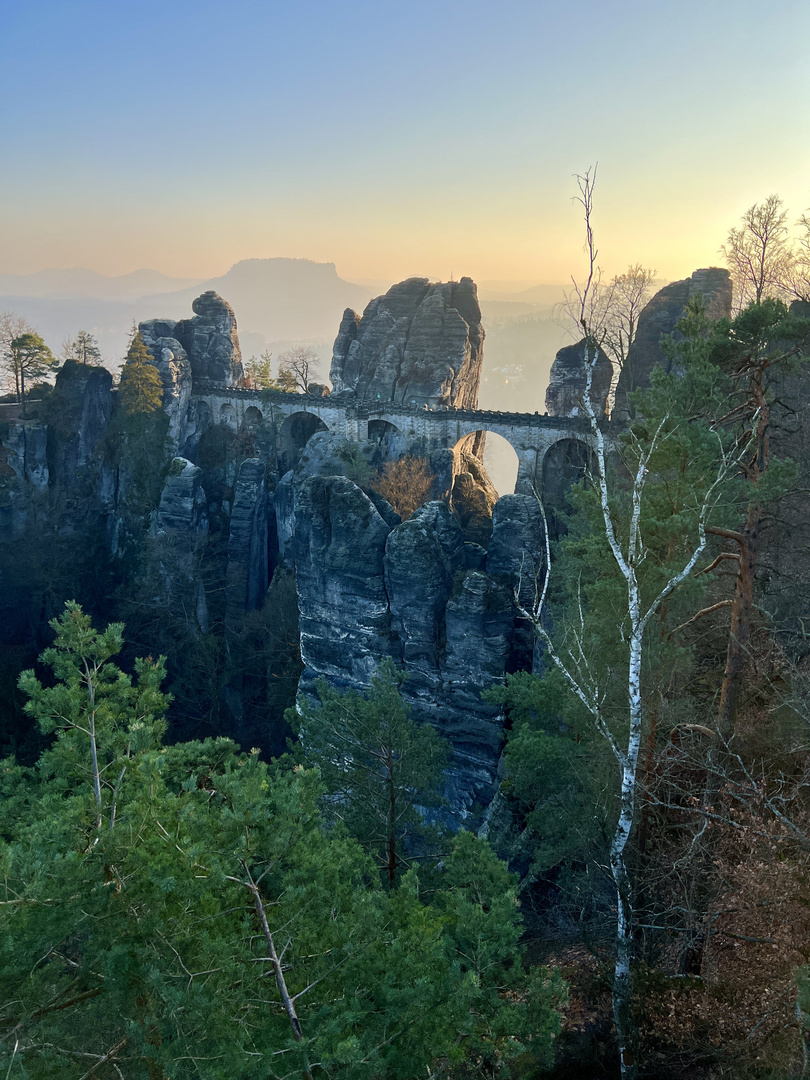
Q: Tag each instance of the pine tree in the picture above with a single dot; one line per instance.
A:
(140, 386)
(377, 763)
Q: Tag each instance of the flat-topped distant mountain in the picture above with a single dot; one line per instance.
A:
(280, 299)
(277, 302)
(280, 302)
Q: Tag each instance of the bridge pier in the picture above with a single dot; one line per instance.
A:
(530, 472)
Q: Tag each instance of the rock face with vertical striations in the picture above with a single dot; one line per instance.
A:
(566, 383)
(247, 574)
(478, 622)
(516, 559)
(81, 405)
(422, 556)
(183, 507)
(339, 545)
(211, 341)
(660, 316)
(174, 367)
(420, 343)
(367, 591)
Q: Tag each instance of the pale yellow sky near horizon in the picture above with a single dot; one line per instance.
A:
(439, 142)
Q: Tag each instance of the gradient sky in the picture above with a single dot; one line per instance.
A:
(430, 137)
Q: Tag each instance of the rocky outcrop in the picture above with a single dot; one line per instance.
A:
(473, 494)
(422, 555)
(566, 383)
(517, 548)
(211, 341)
(367, 591)
(343, 608)
(174, 367)
(419, 344)
(183, 507)
(516, 558)
(23, 476)
(79, 411)
(478, 621)
(660, 317)
(247, 574)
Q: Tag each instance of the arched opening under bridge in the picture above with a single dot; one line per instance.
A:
(566, 463)
(253, 418)
(296, 431)
(474, 491)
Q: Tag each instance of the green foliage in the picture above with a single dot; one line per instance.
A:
(559, 779)
(140, 386)
(138, 943)
(259, 372)
(83, 348)
(358, 468)
(28, 357)
(376, 762)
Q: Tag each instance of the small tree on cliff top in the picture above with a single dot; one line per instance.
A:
(297, 367)
(141, 387)
(29, 358)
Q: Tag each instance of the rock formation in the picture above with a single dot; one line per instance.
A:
(419, 344)
(211, 341)
(172, 362)
(183, 505)
(248, 564)
(203, 348)
(660, 316)
(79, 410)
(367, 590)
(339, 547)
(566, 383)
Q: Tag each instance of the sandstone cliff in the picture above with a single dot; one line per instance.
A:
(420, 343)
(660, 317)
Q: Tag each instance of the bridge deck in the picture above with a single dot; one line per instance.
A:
(372, 409)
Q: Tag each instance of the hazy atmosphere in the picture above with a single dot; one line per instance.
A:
(434, 139)
(404, 540)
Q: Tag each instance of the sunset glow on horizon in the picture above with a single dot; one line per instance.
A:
(435, 140)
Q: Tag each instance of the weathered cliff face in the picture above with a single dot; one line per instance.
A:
(211, 341)
(23, 477)
(79, 412)
(660, 317)
(566, 383)
(183, 505)
(174, 366)
(343, 608)
(421, 343)
(516, 559)
(367, 590)
(247, 575)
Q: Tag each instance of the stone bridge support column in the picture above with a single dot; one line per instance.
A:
(530, 474)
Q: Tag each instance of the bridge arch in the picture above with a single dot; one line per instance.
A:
(253, 417)
(227, 414)
(295, 433)
(565, 463)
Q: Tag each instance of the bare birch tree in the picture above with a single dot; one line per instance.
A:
(612, 307)
(628, 549)
(759, 253)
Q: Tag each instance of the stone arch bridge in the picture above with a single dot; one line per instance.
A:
(531, 435)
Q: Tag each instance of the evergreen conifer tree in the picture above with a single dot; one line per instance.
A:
(140, 386)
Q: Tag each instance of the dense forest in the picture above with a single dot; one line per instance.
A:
(212, 869)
